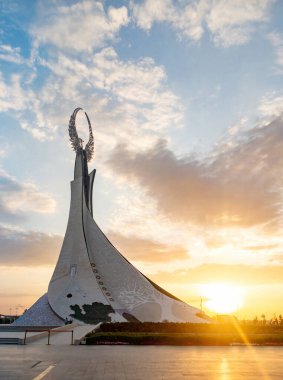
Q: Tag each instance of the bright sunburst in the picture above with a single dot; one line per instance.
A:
(222, 298)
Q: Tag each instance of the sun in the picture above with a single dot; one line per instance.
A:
(222, 298)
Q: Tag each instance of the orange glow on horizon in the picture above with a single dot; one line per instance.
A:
(222, 298)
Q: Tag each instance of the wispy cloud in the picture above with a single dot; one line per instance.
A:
(11, 54)
(232, 22)
(18, 199)
(12, 94)
(138, 249)
(79, 27)
(239, 274)
(130, 98)
(236, 187)
(28, 248)
(228, 22)
(271, 106)
(277, 41)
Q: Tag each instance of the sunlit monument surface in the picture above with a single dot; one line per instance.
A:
(92, 282)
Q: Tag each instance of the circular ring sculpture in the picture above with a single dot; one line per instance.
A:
(76, 142)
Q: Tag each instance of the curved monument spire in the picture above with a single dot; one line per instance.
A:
(92, 281)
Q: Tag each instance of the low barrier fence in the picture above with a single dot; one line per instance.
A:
(49, 334)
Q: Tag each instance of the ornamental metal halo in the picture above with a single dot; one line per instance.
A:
(76, 142)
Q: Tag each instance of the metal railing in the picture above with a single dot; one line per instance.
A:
(49, 334)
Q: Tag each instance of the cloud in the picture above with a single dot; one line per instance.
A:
(232, 22)
(134, 83)
(239, 274)
(18, 98)
(18, 199)
(28, 248)
(4, 147)
(148, 12)
(80, 27)
(11, 54)
(261, 247)
(229, 22)
(271, 106)
(239, 185)
(71, 55)
(276, 40)
(12, 95)
(127, 100)
(138, 249)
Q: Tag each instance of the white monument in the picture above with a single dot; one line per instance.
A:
(92, 282)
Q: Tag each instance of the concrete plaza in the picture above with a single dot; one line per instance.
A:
(36, 362)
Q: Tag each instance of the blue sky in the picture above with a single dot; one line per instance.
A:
(185, 98)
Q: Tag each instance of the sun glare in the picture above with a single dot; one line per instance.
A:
(222, 298)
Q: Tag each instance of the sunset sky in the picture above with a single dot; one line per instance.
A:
(186, 102)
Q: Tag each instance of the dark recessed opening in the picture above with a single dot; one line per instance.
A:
(69, 295)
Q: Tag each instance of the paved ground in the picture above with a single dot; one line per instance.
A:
(140, 362)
